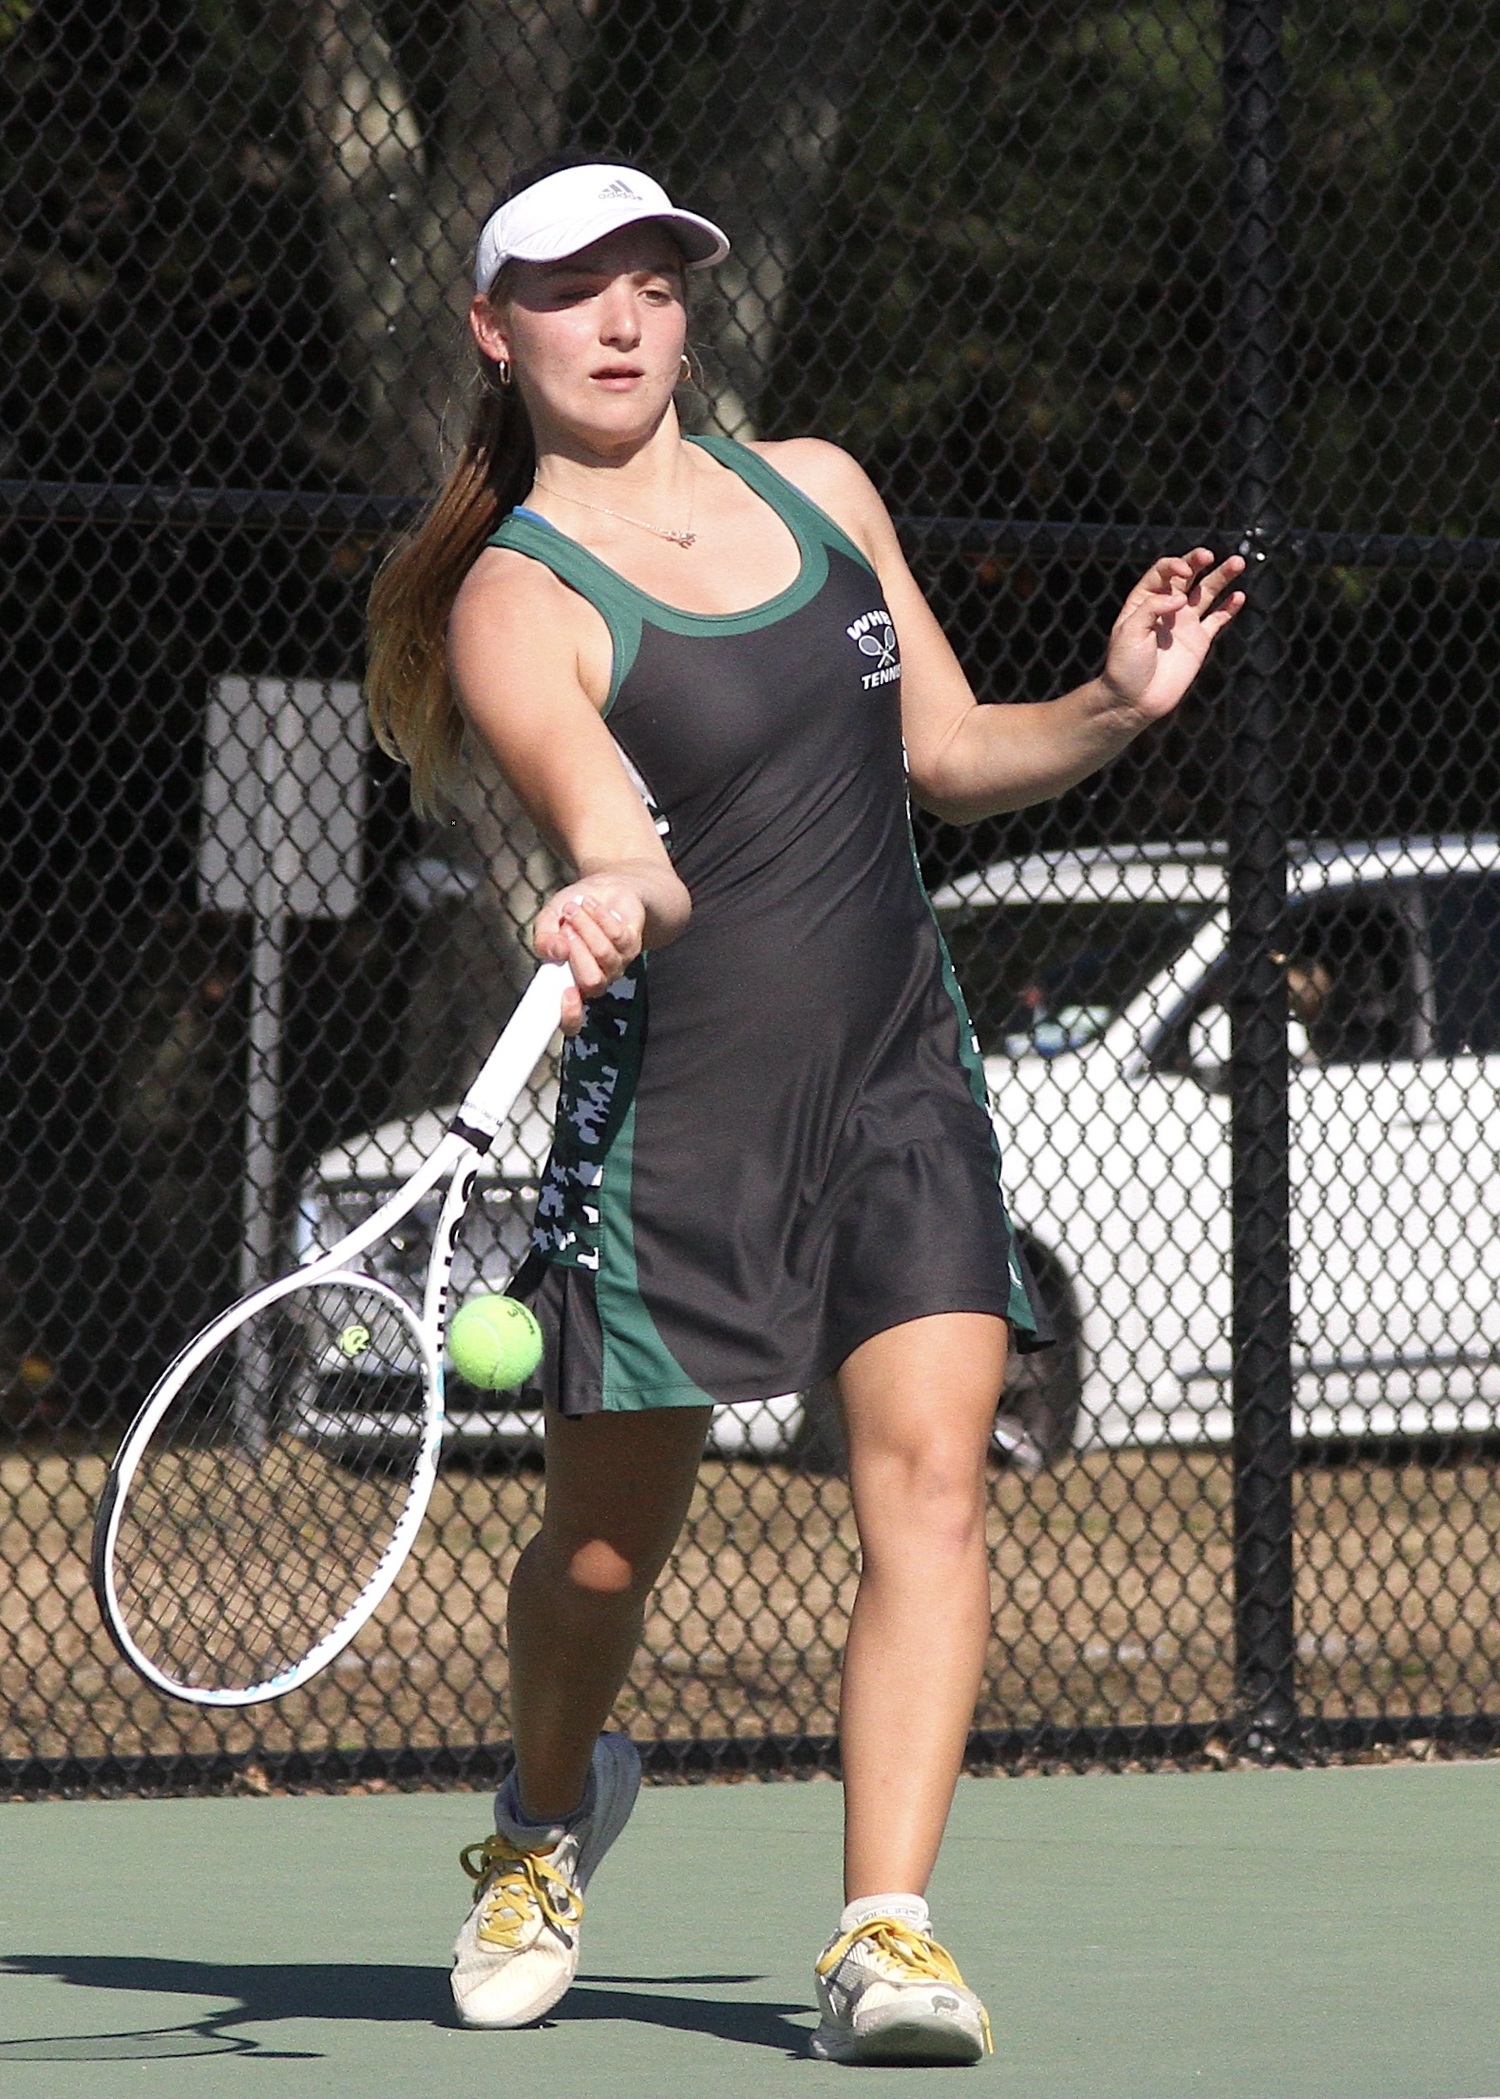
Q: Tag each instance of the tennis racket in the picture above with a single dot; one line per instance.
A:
(234, 1556)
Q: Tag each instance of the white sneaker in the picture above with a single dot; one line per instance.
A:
(517, 1952)
(891, 1994)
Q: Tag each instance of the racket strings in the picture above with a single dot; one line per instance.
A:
(272, 1487)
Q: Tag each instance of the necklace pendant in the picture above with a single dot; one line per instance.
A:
(684, 539)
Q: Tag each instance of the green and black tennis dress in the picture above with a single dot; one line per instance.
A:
(771, 1139)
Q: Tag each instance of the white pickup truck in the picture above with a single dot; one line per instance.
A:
(1106, 1044)
(1096, 981)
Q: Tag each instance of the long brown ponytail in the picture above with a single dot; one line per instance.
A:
(412, 708)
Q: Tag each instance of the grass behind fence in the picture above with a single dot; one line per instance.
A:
(1111, 1591)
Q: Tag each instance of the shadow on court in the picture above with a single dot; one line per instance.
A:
(761, 2025)
(265, 1995)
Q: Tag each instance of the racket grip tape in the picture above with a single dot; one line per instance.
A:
(513, 1059)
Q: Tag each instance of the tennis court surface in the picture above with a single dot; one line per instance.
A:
(1280, 1935)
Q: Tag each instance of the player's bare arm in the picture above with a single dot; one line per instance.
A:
(969, 761)
(530, 664)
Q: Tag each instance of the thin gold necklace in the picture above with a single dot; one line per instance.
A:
(685, 538)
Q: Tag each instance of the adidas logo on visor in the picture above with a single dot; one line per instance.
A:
(618, 189)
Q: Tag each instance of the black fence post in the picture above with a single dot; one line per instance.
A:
(1257, 839)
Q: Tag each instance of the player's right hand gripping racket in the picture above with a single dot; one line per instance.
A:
(234, 1556)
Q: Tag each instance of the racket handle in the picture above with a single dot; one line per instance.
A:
(514, 1058)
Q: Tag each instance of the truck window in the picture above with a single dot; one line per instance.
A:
(1351, 991)
(1043, 978)
(1463, 915)
(1351, 983)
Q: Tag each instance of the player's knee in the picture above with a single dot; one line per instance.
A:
(602, 1569)
(934, 1488)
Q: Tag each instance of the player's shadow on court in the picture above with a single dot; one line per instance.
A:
(258, 1996)
(263, 1995)
(645, 1999)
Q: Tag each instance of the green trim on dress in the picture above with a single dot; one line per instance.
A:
(617, 602)
(783, 496)
(625, 608)
(1019, 1309)
(640, 1372)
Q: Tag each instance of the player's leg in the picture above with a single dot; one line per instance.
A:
(618, 1487)
(919, 1402)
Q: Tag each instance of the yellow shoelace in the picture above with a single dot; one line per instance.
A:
(915, 1956)
(525, 1885)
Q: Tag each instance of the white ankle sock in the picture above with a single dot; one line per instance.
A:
(908, 1909)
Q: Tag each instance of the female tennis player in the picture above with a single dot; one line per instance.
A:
(706, 671)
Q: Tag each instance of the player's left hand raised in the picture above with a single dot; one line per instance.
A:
(1165, 629)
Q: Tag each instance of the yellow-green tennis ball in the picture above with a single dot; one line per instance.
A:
(494, 1343)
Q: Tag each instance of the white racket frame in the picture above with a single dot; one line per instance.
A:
(457, 1157)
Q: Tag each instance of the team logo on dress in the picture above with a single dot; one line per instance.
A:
(873, 635)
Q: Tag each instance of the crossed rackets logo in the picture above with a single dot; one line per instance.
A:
(881, 644)
(873, 634)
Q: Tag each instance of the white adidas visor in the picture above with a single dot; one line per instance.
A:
(578, 206)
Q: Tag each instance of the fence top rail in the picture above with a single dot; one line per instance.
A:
(346, 511)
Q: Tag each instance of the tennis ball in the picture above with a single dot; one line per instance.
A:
(354, 1340)
(494, 1343)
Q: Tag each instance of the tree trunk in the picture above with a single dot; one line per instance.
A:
(771, 138)
(505, 109)
(368, 152)
(402, 203)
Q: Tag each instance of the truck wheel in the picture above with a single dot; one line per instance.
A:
(1039, 1406)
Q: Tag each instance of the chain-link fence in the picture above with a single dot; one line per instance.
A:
(1079, 283)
